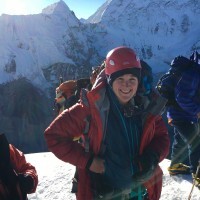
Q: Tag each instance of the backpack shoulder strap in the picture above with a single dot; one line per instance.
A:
(86, 139)
(85, 134)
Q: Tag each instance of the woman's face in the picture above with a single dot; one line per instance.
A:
(125, 87)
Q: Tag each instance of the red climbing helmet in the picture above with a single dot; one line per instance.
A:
(121, 58)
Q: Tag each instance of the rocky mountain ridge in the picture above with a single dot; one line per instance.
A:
(37, 49)
(157, 30)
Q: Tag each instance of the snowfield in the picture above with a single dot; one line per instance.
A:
(55, 180)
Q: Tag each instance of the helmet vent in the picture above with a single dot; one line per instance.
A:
(112, 62)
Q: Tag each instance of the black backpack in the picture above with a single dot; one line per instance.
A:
(168, 81)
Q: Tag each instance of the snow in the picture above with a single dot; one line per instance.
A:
(158, 30)
(54, 177)
(58, 8)
(177, 187)
(33, 41)
(55, 180)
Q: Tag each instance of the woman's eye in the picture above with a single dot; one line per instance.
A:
(132, 80)
(120, 79)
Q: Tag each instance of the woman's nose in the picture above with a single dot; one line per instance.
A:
(126, 83)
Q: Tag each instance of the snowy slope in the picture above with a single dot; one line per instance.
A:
(31, 43)
(55, 180)
(158, 30)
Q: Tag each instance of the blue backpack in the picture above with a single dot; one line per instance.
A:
(169, 80)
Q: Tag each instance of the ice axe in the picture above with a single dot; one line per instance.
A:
(195, 176)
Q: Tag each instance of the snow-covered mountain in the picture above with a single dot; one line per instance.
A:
(37, 49)
(32, 43)
(42, 46)
(158, 30)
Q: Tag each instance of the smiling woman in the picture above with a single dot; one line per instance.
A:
(121, 160)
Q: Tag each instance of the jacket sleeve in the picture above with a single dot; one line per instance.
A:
(155, 138)
(161, 139)
(20, 165)
(158, 138)
(187, 92)
(59, 136)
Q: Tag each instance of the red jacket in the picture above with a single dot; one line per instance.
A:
(20, 165)
(72, 122)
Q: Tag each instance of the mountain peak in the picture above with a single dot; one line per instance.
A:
(57, 8)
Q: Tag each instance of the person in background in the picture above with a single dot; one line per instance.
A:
(184, 117)
(68, 92)
(124, 137)
(17, 177)
(95, 72)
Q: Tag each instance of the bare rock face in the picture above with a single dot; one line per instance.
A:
(10, 67)
(25, 112)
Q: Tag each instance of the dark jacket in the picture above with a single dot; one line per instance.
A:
(19, 166)
(187, 95)
(72, 122)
